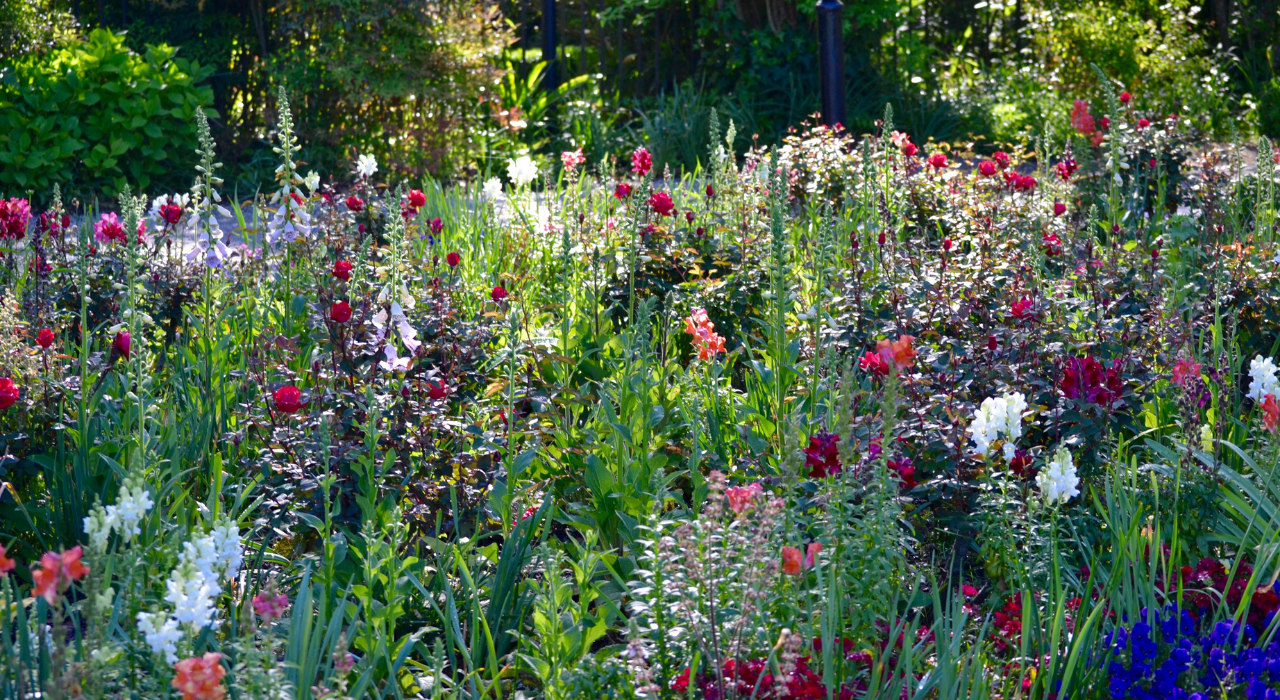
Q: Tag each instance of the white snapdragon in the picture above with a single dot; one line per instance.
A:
(1058, 481)
(229, 547)
(162, 639)
(191, 594)
(366, 166)
(1262, 370)
(98, 525)
(998, 416)
(130, 507)
(312, 181)
(522, 170)
(492, 188)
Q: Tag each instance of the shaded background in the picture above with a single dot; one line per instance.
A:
(450, 87)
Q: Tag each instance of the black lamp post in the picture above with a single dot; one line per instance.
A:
(551, 77)
(830, 61)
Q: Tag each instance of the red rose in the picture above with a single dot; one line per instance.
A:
(1001, 158)
(437, 390)
(171, 213)
(661, 203)
(45, 338)
(1125, 97)
(340, 312)
(355, 204)
(986, 168)
(938, 160)
(288, 399)
(417, 200)
(622, 191)
(342, 270)
(910, 149)
(1059, 208)
(8, 393)
(437, 226)
(498, 294)
(1143, 123)
(452, 258)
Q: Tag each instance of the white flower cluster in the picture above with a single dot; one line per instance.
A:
(193, 586)
(366, 166)
(209, 250)
(289, 223)
(1058, 481)
(1263, 373)
(996, 417)
(132, 504)
(492, 188)
(522, 170)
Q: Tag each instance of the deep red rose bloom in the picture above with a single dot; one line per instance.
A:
(1088, 381)
(8, 393)
(288, 399)
(1059, 208)
(1001, 158)
(1022, 309)
(622, 191)
(1143, 123)
(821, 456)
(641, 162)
(986, 168)
(992, 343)
(874, 363)
(711, 191)
(1024, 183)
(45, 338)
(437, 225)
(498, 294)
(453, 258)
(437, 390)
(340, 312)
(122, 344)
(1125, 97)
(342, 270)
(910, 149)
(689, 216)
(171, 213)
(700, 232)
(417, 200)
(661, 203)
(938, 160)
(355, 204)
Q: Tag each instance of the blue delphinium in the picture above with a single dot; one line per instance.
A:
(1187, 665)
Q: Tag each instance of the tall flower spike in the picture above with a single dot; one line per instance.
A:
(203, 225)
(291, 220)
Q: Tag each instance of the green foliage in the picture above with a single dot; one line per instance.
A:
(94, 115)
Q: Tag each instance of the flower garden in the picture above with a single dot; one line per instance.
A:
(845, 416)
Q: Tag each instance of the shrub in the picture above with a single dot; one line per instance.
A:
(97, 115)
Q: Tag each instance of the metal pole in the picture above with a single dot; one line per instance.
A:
(831, 61)
(551, 78)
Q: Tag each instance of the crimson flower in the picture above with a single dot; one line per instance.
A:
(1001, 158)
(622, 191)
(1086, 380)
(437, 225)
(1052, 244)
(288, 399)
(661, 203)
(417, 200)
(1023, 309)
(452, 258)
(821, 456)
(15, 214)
(905, 470)
(1270, 413)
(910, 149)
(8, 393)
(342, 270)
(437, 390)
(1059, 208)
(872, 362)
(1125, 97)
(1143, 123)
(711, 191)
(689, 216)
(171, 213)
(108, 229)
(938, 160)
(123, 344)
(641, 162)
(355, 204)
(1067, 168)
(986, 168)
(498, 294)
(45, 338)
(340, 312)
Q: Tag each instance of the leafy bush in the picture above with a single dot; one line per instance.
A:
(94, 115)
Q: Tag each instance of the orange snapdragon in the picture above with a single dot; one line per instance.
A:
(702, 330)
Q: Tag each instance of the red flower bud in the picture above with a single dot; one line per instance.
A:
(45, 338)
